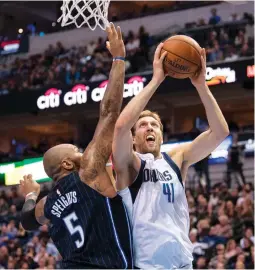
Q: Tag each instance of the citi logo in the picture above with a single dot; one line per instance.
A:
(51, 98)
(133, 86)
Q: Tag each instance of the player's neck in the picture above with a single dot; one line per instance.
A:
(157, 156)
(61, 175)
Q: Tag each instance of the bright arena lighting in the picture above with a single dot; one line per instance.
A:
(20, 30)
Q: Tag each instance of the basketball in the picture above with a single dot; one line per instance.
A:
(183, 57)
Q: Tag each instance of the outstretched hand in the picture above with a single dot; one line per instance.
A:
(199, 79)
(28, 185)
(158, 71)
(115, 43)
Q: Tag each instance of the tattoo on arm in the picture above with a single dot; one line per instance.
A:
(96, 185)
(99, 150)
(39, 211)
(113, 96)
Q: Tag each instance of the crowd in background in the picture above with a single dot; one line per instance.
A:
(79, 64)
(92, 62)
(222, 227)
(116, 12)
(221, 230)
(221, 217)
(227, 42)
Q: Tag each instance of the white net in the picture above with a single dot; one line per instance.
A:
(91, 12)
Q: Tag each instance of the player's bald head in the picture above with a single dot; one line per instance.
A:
(59, 157)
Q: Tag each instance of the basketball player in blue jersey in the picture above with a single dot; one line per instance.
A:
(156, 198)
(87, 220)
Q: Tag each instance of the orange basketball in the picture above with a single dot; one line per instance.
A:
(183, 57)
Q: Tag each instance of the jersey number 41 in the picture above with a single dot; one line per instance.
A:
(168, 190)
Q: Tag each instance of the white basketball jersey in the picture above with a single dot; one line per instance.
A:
(160, 217)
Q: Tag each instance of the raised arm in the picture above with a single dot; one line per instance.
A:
(32, 214)
(218, 130)
(126, 163)
(96, 155)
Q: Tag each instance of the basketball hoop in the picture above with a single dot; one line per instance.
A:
(91, 12)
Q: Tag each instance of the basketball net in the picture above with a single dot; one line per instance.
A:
(91, 12)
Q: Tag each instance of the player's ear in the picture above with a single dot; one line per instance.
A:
(67, 164)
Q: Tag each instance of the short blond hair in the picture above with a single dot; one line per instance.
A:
(145, 114)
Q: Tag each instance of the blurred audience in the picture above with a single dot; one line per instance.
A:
(212, 232)
(92, 62)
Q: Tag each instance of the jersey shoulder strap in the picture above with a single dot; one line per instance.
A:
(136, 185)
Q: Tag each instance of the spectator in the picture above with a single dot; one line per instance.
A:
(220, 265)
(235, 161)
(132, 49)
(202, 207)
(98, 76)
(215, 19)
(201, 167)
(91, 47)
(144, 43)
(201, 263)
(199, 247)
(240, 39)
(59, 49)
(51, 248)
(246, 209)
(223, 228)
(214, 196)
(191, 202)
(224, 42)
(219, 257)
(234, 17)
(13, 212)
(201, 22)
(239, 265)
(3, 207)
(246, 50)
(3, 255)
(202, 171)
(73, 75)
(249, 234)
(231, 249)
(215, 52)
(100, 46)
(230, 54)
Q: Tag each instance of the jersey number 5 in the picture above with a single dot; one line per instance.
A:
(74, 229)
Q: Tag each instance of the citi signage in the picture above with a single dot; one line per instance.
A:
(250, 71)
(79, 94)
(219, 75)
(52, 97)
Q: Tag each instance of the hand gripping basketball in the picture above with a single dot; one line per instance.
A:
(158, 70)
(200, 78)
(115, 43)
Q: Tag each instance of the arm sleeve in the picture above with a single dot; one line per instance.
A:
(28, 219)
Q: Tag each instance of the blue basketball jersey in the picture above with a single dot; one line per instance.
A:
(88, 229)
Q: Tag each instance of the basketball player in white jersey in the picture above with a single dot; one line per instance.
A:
(156, 197)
